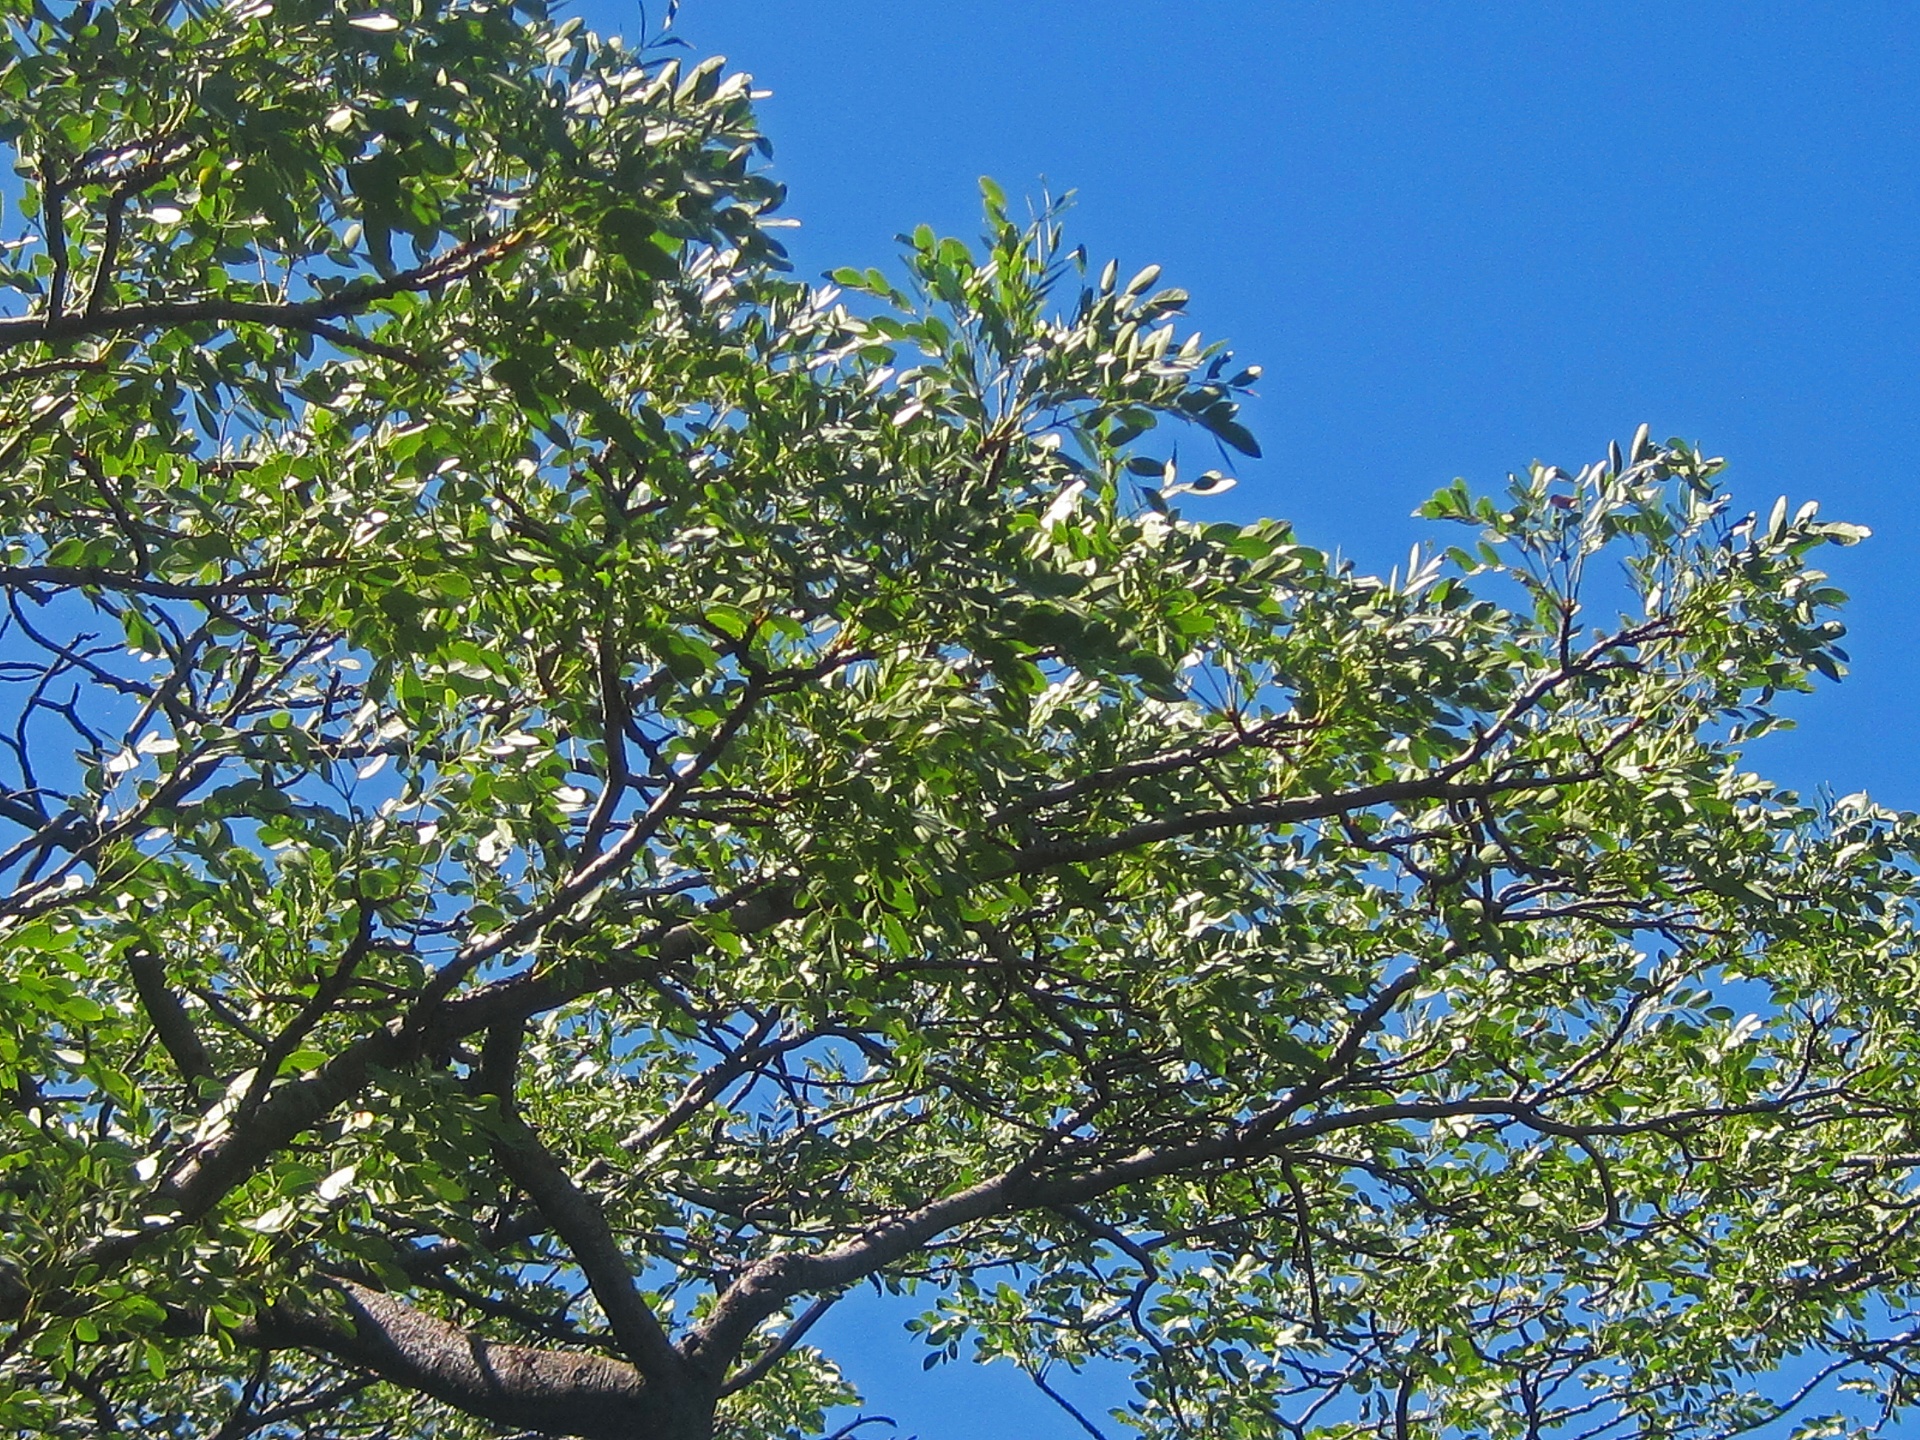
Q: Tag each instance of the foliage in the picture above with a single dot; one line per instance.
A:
(574, 799)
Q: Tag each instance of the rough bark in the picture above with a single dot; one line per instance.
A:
(554, 1392)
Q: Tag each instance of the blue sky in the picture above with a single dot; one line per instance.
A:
(1458, 237)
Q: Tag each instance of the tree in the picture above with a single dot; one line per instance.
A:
(575, 799)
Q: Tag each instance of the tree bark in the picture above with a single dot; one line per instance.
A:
(553, 1392)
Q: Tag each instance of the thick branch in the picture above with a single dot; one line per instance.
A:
(767, 1286)
(579, 1220)
(169, 1017)
(555, 1392)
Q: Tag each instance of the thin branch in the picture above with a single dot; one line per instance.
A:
(53, 219)
(1065, 1404)
(20, 577)
(312, 315)
(1431, 789)
(794, 1333)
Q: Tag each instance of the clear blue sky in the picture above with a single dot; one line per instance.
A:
(1458, 236)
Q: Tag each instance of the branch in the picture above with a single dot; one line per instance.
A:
(169, 1017)
(245, 1421)
(579, 1221)
(766, 1286)
(65, 577)
(53, 214)
(1430, 789)
(556, 1392)
(1039, 1378)
(312, 316)
(212, 1169)
(758, 1370)
(701, 1090)
(594, 871)
(1433, 787)
(50, 367)
(1268, 733)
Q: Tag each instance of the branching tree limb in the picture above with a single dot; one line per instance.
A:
(569, 800)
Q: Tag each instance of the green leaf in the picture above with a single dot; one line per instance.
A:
(554, 735)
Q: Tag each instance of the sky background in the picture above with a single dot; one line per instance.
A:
(1458, 237)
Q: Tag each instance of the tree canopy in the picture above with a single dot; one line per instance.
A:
(571, 798)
